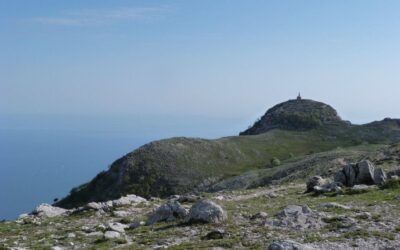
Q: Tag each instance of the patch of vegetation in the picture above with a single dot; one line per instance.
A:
(367, 234)
(352, 191)
(312, 237)
(335, 223)
(391, 184)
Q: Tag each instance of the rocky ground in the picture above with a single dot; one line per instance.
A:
(270, 217)
(354, 205)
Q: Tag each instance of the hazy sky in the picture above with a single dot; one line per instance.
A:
(206, 57)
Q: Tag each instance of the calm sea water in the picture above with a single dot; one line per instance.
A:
(43, 157)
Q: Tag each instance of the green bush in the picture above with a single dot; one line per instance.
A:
(275, 162)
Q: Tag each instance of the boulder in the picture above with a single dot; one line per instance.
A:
(117, 227)
(365, 173)
(362, 187)
(271, 195)
(128, 200)
(298, 217)
(112, 235)
(98, 206)
(333, 205)
(215, 235)
(314, 181)
(95, 234)
(57, 248)
(167, 212)
(47, 210)
(288, 245)
(136, 224)
(350, 173)
(340, 177)
(259, 215)
(206, 211)
(23, 216)
(187, 198)
(120, 213)
(379, 176)
(329, 187)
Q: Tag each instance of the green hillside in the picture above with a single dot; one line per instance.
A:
(180, 165)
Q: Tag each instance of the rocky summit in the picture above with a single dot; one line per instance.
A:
(300, 179)
(298, 114)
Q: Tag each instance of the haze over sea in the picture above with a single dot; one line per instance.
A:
(43, 157)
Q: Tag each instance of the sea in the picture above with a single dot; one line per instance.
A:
(43, 156)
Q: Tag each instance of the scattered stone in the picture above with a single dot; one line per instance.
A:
(97, 206)
(187, 198)
(116, 226)
(23, 216)
(95, 234)
(136, 224)
(220, 197)
(112, 235)
(206, 211)
(121, 213)
(47, 210)
(363, 216)
(314, 181)
(128, 200)
(327, 188)
(288, 245)
(87, 229)
(56, 248)
(71, 235)
(272, 195)
(342, 221)
(298, 217)
(123, 201)
(167, 212)
(333, 205)
(259, 215)
(362, 187)
(215, 235)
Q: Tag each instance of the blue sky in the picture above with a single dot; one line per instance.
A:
(207, 58)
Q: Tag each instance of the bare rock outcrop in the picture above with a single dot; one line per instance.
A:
(297, 217)
(47, 210)
(363, 172)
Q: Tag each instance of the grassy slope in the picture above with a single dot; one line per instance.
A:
(181, 165)
(301, 167)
